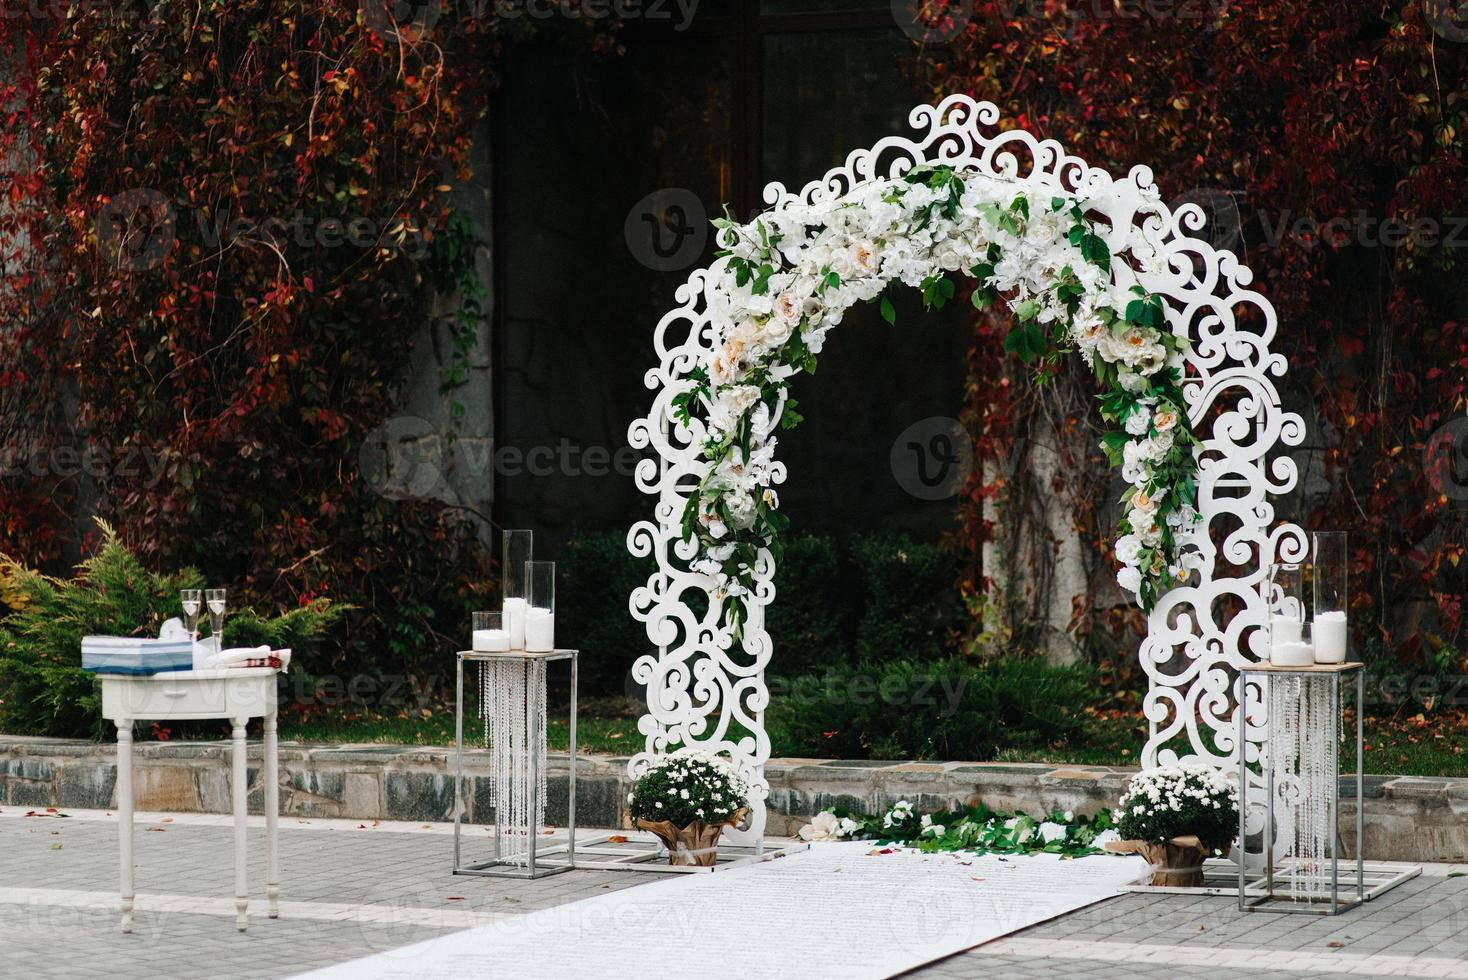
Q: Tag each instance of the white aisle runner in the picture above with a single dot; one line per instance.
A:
(834, 911)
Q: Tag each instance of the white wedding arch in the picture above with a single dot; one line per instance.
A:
(705, 685)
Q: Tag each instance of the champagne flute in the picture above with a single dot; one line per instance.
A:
(214, 600)
(191, 599)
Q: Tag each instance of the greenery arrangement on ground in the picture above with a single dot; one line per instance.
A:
(975, 829)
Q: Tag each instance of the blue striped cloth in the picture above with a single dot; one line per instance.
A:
(137, 656)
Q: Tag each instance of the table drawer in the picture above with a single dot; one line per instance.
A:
(161, 697)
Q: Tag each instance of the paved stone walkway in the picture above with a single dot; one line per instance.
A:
(352, 889)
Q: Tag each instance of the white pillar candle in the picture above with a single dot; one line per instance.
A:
(491, 641)
(1293, 653)
(515, 622)
(540, 631)
(1330, 638)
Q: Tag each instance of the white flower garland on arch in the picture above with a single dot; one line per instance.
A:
(785, 279)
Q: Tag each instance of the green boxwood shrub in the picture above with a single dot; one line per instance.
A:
(948, 708)
(43, 689)
(836, 600)
(909, 605)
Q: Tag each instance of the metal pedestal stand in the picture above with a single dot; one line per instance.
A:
(563, 856)
(1279, 889)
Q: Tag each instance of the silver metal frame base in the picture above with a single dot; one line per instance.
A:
(636, 851)
(1221, 878)
(544, 866)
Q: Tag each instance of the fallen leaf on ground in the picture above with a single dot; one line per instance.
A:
(155, 830)
(617, 839)
(976, 878)
(55, 847)
(454, 898)
(1335, 944)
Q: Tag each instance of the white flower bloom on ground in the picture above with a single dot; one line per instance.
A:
(823, 826)
(1052, 831)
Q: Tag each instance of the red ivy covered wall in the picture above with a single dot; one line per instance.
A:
(222, 218)
(1326, 141)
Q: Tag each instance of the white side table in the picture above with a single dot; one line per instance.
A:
(237, 694)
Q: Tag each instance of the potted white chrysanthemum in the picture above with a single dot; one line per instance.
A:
(687, 799)
(1176, 817)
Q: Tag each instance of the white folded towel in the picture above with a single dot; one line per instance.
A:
(208, 656)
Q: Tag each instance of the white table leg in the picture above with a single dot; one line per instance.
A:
(125, 818)
(272, 818)
(241, 789)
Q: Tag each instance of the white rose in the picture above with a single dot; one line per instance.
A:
(1138, 422)
(1157, 446)
(1128, 550)
(1182, 517)
(1150, 534)
(864, 258)
(1130, 579)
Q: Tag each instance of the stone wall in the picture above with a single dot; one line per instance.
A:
(1407, 818)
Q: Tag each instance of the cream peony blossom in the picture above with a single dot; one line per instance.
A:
(823, 826)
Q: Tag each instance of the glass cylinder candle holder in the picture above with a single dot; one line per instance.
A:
(1295, 650)
(1329, 611)
(489, 633)
(518, 548)
(1286, 603)
(540, 618)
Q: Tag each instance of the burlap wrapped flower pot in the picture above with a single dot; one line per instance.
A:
(1176, 863)
(696, 845)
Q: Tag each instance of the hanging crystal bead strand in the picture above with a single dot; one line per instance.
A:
(540, 723)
